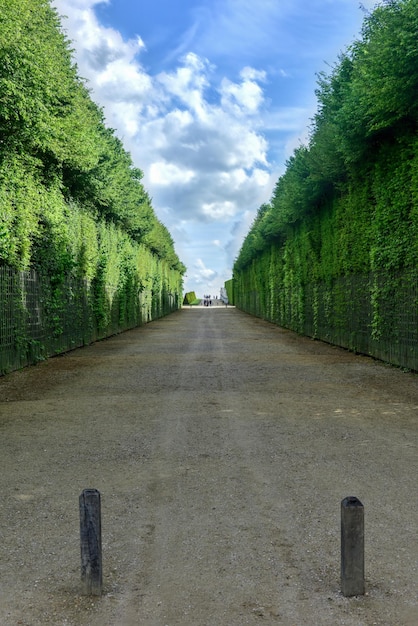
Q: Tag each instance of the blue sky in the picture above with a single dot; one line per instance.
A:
(210, 97)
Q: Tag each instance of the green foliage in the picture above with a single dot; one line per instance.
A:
(337, 244)
(190, 298)
(229, 288)
(385, 76)
(21, 200)
(72, 205)
(54, 136)
(367, 107)
(54, 140)
(366, 120)
(34, 78)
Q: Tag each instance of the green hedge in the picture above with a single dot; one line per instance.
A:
(229, 288)
(40, 318)
(335, 253)
(190, 298)
(73, 210)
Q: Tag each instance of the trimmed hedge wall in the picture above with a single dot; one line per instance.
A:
(334, 254)
(39, 319)
(348, 274)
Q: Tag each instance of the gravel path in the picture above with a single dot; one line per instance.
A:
(222, 447)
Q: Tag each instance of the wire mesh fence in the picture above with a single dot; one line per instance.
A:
(374, 314)
(39, 319)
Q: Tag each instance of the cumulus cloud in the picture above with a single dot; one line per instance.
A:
(194, 128)
(168, 174)
(219, 210)
(245, 97)
(190, 136)
(202, 275)
(100, 46)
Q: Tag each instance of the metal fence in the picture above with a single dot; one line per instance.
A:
(374, 314)
(39, 319)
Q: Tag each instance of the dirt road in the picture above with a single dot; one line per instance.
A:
(222, 447)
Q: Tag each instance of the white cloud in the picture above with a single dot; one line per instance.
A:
(174, 117)
(219, 210)
(167, 174)
(100, 46)
(124, 81)
(195, 129)
(202, 275)
(245, 97)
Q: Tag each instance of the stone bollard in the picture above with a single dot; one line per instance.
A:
(91, 542)
(352, 547)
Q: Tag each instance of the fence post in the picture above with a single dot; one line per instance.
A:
(352, 547)
(91, 542)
